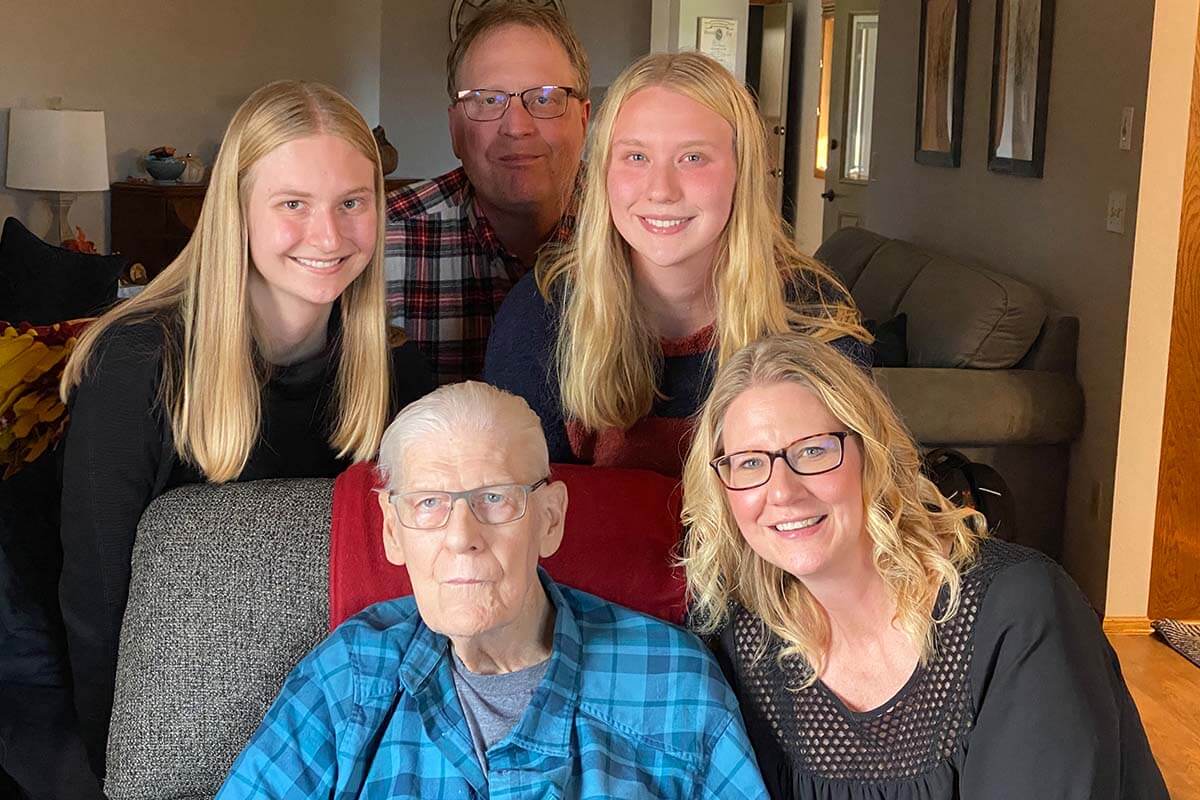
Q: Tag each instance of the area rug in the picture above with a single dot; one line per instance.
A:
(1184, 637)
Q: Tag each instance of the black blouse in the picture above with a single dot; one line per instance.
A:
(1023, 697)
(120, 455)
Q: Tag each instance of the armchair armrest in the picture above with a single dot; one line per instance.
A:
(228, 593)
(978, 407)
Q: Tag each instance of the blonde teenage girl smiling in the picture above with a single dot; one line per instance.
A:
(261, 352)
(678, 260)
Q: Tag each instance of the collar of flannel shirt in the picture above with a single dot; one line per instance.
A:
(486, 235)
(547, 724)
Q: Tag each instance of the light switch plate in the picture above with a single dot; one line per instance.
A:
(1116, 212)
(1126, 140)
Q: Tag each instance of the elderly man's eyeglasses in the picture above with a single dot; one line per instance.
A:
(812, 455)
(542, 102)
(491, 505)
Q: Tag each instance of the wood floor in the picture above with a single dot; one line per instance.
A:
(1166, 688)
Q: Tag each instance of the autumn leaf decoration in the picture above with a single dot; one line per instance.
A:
(32, 417)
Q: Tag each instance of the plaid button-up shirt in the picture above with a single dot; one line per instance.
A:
(629, 707)
(447, 272)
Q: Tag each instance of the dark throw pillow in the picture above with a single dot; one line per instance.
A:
(42, 284)
(891, 341)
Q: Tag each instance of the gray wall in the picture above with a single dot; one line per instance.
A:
(412, 92)
(170, 73)
(1048, 232)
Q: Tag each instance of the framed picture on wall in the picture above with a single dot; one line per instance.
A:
(1020, 86)
(941, 82)
(717, 37)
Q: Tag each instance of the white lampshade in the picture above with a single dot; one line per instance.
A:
(57, 151)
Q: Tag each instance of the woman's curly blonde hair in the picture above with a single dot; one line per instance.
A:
(920, 541)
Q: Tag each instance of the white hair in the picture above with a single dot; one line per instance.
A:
(449, 412)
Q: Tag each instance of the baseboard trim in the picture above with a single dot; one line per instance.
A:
(1127, 626)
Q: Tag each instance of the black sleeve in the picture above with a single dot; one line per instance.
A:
(774, 764)
(411, 376)
(1054, 717)
(116, 449)
(520, 359)
(40, 746)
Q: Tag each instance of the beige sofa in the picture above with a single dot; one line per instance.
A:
(990, 367)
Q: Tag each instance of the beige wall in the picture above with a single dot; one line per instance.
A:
(171, 73)
(175, 76)
(1151, 297)
(1048, 232)
(416, 38)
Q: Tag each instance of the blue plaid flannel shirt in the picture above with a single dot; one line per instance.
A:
(630, 707)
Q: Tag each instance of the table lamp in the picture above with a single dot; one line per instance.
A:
(52, 150)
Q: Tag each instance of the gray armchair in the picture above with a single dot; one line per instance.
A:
(990, 367)
(230, 589)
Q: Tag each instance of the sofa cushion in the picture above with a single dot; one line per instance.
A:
(847, 251)
(960, 316)
(887, 276)
(42, 284)
(227, 595)
(621, 531)
(1001, 407)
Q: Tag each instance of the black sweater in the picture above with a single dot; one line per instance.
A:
(120, 455)
(1022, 698)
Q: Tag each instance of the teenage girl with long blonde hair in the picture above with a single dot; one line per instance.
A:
(679, 259)
(260, 352)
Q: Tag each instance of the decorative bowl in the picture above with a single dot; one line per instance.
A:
(165, 169)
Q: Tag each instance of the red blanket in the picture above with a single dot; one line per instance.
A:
(621, 533)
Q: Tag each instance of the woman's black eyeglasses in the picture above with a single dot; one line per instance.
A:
(812, 455)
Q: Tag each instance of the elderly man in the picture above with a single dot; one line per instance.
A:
(518, 83)
(492, 680)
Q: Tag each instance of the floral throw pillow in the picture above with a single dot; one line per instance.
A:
(32, 417)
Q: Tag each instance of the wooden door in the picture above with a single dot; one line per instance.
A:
(1175, 569)
(852, 108)
(773, 87)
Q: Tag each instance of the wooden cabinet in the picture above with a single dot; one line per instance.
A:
(151, 222)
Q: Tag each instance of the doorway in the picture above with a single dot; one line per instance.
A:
(1175, 566)
(830, 168)
(768, 76)
(851, 110)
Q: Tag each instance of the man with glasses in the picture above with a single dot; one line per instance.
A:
(493, 680)
(518, 83)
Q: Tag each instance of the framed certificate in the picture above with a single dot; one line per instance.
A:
(717, 37)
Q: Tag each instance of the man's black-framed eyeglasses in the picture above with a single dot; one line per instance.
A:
(812, 455)
(492, 505)
(542, 102)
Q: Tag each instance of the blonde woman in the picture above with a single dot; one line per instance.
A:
(260, 352)
(880, 646)
(678, 260)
